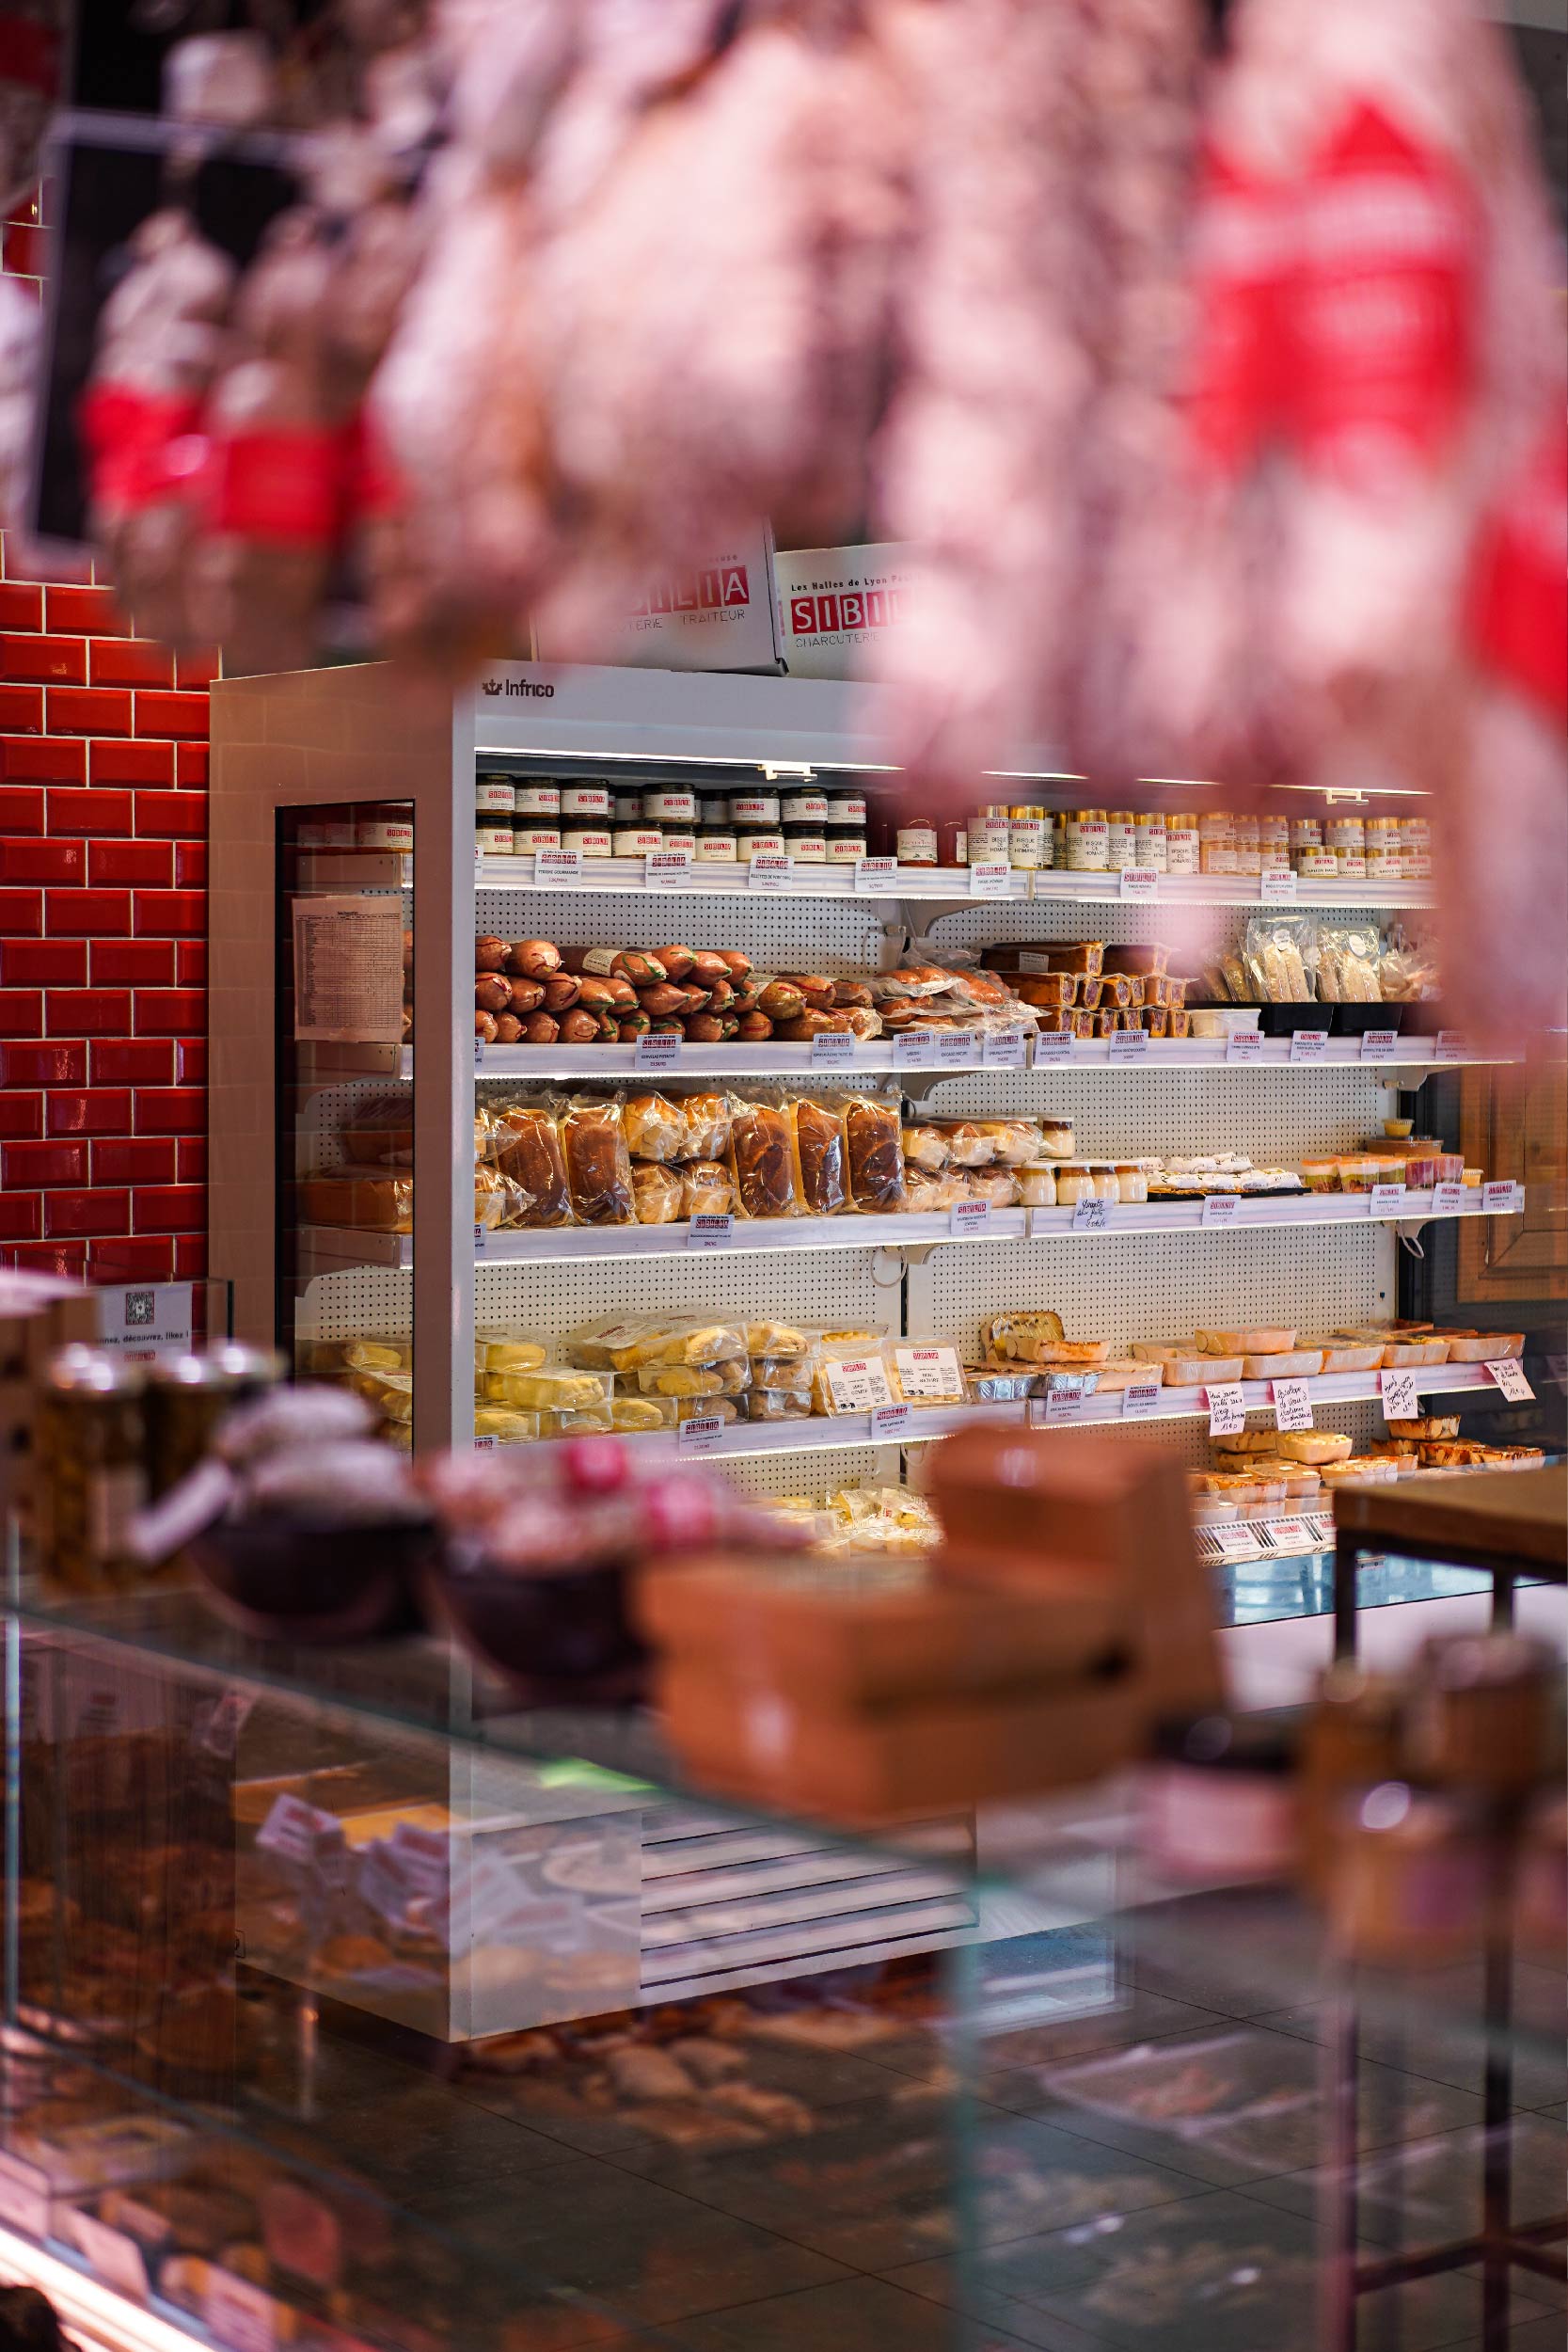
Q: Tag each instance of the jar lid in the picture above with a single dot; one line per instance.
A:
(1231, 1744)
(79, 1370)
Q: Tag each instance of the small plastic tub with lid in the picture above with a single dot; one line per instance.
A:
(1321, 1175)
(1360, 1170)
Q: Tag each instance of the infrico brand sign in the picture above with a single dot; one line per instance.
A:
(716, 614)
(837, 604)
(540, 687)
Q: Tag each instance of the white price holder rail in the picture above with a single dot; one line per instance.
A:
(769, 872)
(712, 1228)
(968, 1219)
(858, 1384)
(934, 1375)
(1140, 1400)
(1220, 1209)
(666, 869)
(1400, 1395)
(1227, 1408)
(1510, 1377)
(1310, 1045)
(875, 876)
(1292, 1404)
(703, 1434)
(832, 1051)
(1243, 1048)
(1090, 1216)
(1139, 884)
(659, 1050)
(991, 878)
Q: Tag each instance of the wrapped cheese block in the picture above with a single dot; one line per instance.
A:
(1400, 1354)
(1481, 1347)
(1316, 1446)
(1348, 1354)
(1298, 1363)
(1251, 1340)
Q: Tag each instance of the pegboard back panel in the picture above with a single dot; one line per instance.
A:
(1273, 1114)
(780, 934)
(1187, 930)
(1157, 1286)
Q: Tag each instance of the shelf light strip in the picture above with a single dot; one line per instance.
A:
(88, 2309)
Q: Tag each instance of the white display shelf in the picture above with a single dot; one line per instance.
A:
(324, 1249)
(834, 1433)
(875, 1056)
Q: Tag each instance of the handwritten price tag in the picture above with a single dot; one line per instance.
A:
(1242, 1047)
(875, 876)
(1449, 1201)
(1090, 1216)
(699, 1435)
(1386, 1200)
(1400, 1397)
(1276, 887)
(1377, 1044)
(557, 866)
(1124, 1045)
(659, 1050)
(1220, 1208)
(1141, 1401)
(968, 1218)
(666, 869)
(889, 1422)
(1310, 1045)
(833, 1053)
(1139, 883)
(1501, 1200)
(1510, 1377)
(990, 879)
(770, 871)
(1007, 1049)
(858, 1384)
(710, 1230)
(1292, 1404)
(1227, 1408)
(1052, 1048)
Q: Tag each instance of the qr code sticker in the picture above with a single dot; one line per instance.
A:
(139, 1306)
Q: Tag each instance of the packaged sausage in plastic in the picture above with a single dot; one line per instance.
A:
(821, 1154)
(657, 1192)
(707, 1189)
(1349, 956)
(527, 1146)
(707, 1125)
(762, 1158)
(598, 1165)
(655, 1127)
(874, 1127)
(1280, 952)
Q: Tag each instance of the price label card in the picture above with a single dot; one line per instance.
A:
(1451, 1045)
(1052, 1047)
(1320, 1527)
(666, 869)
(1310, 1045)
(702, 1434)
(1062, 1402)
(1006, 1049)
(1090, 1216)
(1235, 1543)
(1140, 882)
(557, 866)
(659, 1050)
(710, 1230)
(1227, 1408)
(1244, 1046)
(1276, 887)
(1124, 1045)
(482, 1236)
(1290, 1536)
(990, 879)
(915, 1049)
(237, 2314)
(833, 1053)
(1449, 1200)
(1510, 1377)
(111, 2256)
(875, 876)
(889, 1422)
(1400, 1397)
(769, 872)
(479, 1053)
(1141, 1399)
(24, 2196)
(1501, 1200)
(1220, 1208)
(955, 1049)
(1292, 1404)
(933, 1373)
(966, 1220)
(859, 1383)
(1377, 1044)
(1386, 1200)
(485, 1445)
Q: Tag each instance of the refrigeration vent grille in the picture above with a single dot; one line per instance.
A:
(1273, 1114)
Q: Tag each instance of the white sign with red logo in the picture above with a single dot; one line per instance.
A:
(836, 605)
(713, 614)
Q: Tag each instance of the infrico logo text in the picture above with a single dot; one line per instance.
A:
(516, 686)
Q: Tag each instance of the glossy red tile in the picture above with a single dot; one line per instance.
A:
(21, 914)
(170, 1209)
(199, 667)
(190, 1061)
(31, 1165)
(91, 1212)
(20, 1012)
(21, 1115)
(131, 662)
(52, 1065)
(169, 1011)
(142, 863)
(92, 812)
(131, 763)
(43, 862)
(184, 716)
(133, 963)
(87, 710)
(21, 710)
(193, 964)
(24, 249)
(191, 766)
(89, 1012)
(122, 1260)
(190, 1258)
(44, 758)
(172, 816)
(44, 963)
(169, 914)
(147, 1162)
(193, 1160)
(52, 660)
(90, 611)
(140, 1062)
(170, 1110)
(89, 913)
(20, 1216)
(190, 864)
(20, 608)
(21, 809)
(88, 1110)
(68, 1259)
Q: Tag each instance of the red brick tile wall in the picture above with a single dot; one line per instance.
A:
(103, 927)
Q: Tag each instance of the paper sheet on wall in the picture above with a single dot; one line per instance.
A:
(348, 971)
